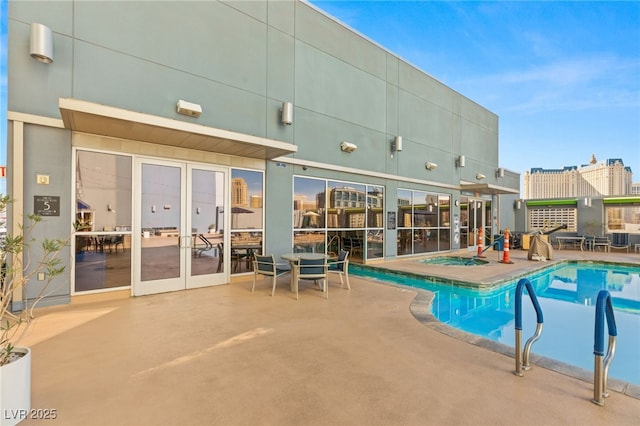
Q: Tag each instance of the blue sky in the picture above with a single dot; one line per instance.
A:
(564, 77)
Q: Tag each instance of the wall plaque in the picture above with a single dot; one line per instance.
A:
(46, 205)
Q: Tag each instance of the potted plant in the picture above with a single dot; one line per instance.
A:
(22, 262)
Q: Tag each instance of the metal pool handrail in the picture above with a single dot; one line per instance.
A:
(604, 307)
(522, 357)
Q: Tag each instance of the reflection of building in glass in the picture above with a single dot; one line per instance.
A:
(347, 207)
(346, 197)
(301, 203)
(255, 201)
(239, 193)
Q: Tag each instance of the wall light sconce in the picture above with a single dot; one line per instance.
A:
(41, 43)
(188, 108)
(500, 172)
(430, 166)
(461, 161)
(480, 176)
(587, 202)
(287, 113)
(348, 146)
(396, 145)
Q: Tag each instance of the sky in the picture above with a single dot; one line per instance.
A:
(563, 77)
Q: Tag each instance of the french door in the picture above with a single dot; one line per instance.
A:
(180, 236)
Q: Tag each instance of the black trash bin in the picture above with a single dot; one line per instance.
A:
(498, 242)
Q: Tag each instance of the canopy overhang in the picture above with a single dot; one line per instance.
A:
(89, 117)
(487, 188)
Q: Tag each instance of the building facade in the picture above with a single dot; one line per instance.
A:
(598, 178)
(185, 138)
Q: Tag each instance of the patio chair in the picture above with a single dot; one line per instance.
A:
(340, 266)
(620, 241)
(600, 242)
(267, 266)
(311, 269)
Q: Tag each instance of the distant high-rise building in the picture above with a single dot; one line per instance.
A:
(608, 177)
(239, 193)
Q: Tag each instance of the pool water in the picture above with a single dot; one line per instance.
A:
(454, 260)
(567, 294)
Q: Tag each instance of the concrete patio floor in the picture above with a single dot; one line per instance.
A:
(225, 356)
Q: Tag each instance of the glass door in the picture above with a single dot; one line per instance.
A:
(476, 223)
(177, 247)
(205, 199)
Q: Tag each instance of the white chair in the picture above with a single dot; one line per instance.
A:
(340, 266)
(311, 269)
(267, 266)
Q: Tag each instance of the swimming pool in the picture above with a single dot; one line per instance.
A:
(567, 293)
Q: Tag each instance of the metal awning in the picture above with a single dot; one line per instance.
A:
(487, 188)
(89, 117)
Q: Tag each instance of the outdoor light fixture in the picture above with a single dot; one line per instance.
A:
(430, 166)
(287, 113)
(348, 146)
(461, 161)
(480, 176)
(396, 145)
(41, 45)
(188, 108)
(500, 172)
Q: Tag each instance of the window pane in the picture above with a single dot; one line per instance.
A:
(404, 208)
(346, 204)
(308, 203)
(309, 242)
(102, 261)
(375, 207)
(103, 190)
(405, 241)
(419, 209)
(375, 244)
(103, 214)
(243, 246)
(246, 199)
